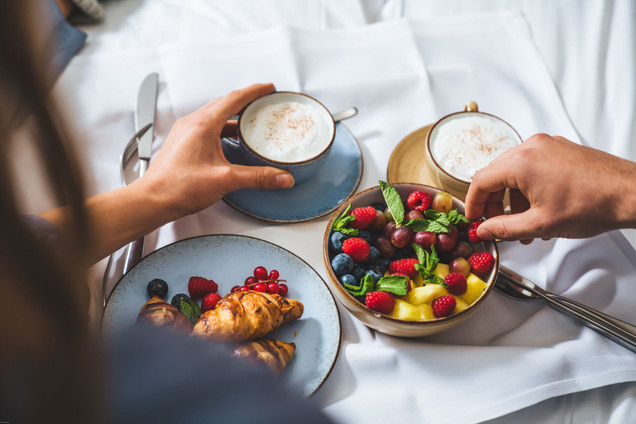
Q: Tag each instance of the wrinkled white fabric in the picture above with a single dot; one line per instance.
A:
(404, 64)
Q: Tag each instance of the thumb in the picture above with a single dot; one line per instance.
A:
(519, 226)
(261, 177)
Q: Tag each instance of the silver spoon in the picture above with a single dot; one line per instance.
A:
(123, 161)
(517, 287)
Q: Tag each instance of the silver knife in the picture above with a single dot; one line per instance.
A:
(144, 115)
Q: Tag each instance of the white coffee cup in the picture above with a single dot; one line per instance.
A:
(286, 130)
(460, 144)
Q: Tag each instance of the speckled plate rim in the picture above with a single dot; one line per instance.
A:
(345, 196)
(334, 343)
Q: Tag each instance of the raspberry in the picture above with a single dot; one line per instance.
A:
(363, 217)
(404, 266)
(380, 301)
(456, 283)
(481, 262)
(357, 248)
(209, 301)
(199, 287)
(419, 201)
(472, 232)
(443, 306)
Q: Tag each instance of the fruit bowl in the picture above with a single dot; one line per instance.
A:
(393, 322)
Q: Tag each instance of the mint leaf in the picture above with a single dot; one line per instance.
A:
(455, 217)
(427, 264)
(393, 201)
(190, 309)
(341, 224)
(435, 279)
(420, 252)
(418, 225)
(431, 260)
(396, 284)
(366, 286)
(431, 214)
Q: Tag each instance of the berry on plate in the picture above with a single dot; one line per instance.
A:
(209, 301)
(357, 248)
(157, 287)
(363, 217)
(404, 267)
(177, 298)
(443, 306)
(199, 287)
(455, 283)
(481, 262)
(380, 301)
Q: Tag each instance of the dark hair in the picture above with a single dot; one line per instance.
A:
(45, 358)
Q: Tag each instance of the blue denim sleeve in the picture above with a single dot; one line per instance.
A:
(67, 40)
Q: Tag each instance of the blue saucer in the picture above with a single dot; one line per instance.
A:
(332, 185)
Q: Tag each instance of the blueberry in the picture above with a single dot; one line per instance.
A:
(358, 272)
(177, 298)
(374, 255)
(384, 263)
(349, 279)
(379, 206)
(342, 264)
(157, 287)
(375, 274)
(336, 240)
(366, 235)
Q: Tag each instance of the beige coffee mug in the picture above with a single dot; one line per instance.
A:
(460, 144)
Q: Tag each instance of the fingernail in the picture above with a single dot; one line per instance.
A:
(283, 181)
(483, 233)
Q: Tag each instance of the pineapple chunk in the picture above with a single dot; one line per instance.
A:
(441, 270)
(425, 294)
(475, 287)
(417, 281)
(406, 311)
(461, 305)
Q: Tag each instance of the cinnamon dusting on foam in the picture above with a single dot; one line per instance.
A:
(464, 145)
(288, 132)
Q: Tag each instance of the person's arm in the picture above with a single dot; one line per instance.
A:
(189, 174)
(558, 189)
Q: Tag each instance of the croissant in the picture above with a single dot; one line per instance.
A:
(246, 315)
(160, 313)
(274, 354)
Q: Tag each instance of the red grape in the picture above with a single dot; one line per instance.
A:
(402, 236)
(426, 239)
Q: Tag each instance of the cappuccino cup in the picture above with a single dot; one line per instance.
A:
(460, 144)
(286, 130)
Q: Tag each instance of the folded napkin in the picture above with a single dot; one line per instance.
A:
(401, 75)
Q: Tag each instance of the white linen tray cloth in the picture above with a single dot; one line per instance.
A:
(401, 75)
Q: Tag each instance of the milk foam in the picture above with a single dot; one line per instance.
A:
(464, 145)
(287, 131)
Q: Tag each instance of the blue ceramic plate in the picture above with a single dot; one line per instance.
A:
(332, 185)
(228, 260)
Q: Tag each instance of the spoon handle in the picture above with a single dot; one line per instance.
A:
(614, 328)
(610, 327)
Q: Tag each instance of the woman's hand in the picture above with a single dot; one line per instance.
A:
(557, 189)
(190, 171)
